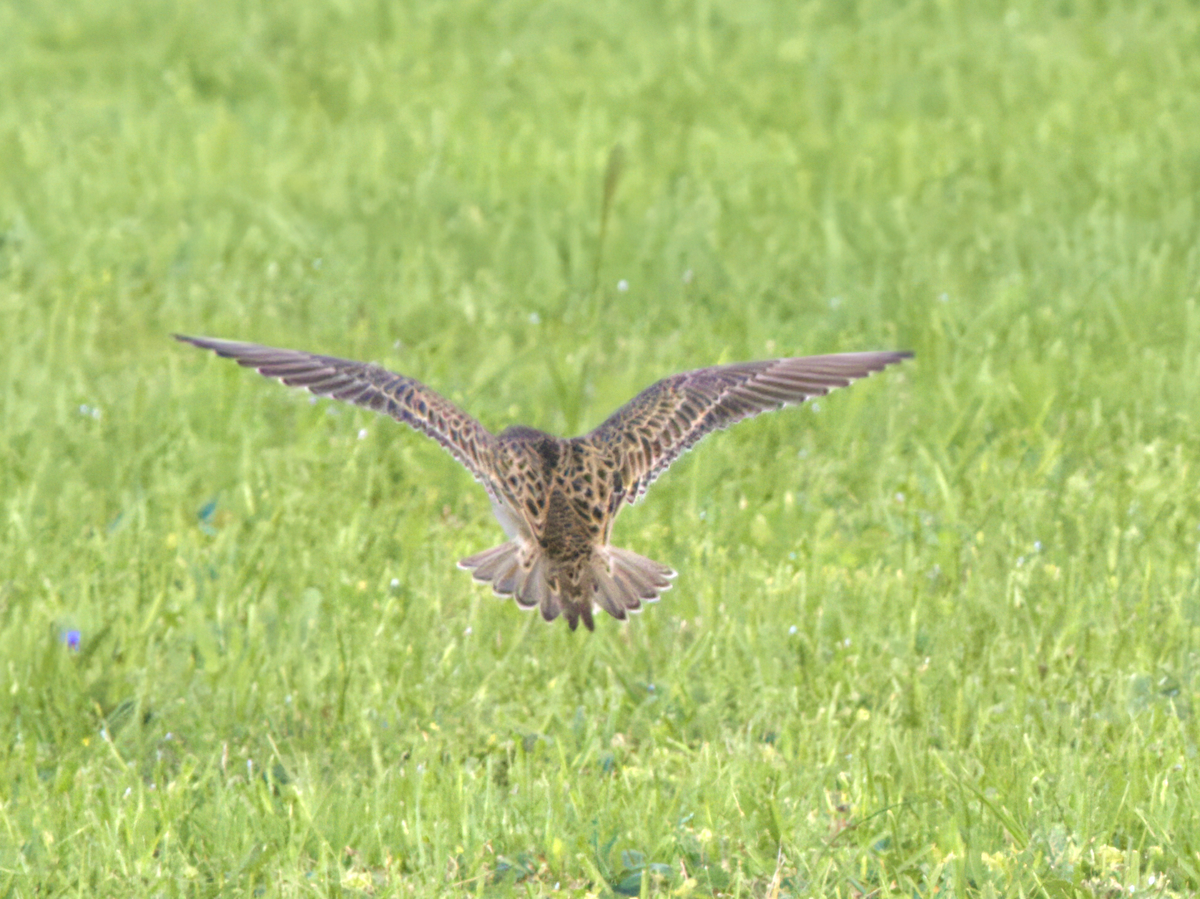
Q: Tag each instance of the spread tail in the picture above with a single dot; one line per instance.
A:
(616, 580)
(517, 572)
(623, 580)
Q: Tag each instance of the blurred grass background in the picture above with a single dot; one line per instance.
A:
(936, 633)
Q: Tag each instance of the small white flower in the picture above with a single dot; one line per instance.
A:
(793, 630)
(534, 318)
(1037, 546)
(395, 582)
(362, 433)
(622, 285)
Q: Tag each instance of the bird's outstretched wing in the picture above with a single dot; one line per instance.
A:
(372, 387)
(666, 419)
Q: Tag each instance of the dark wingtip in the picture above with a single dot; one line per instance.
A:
(204, 343)
(892, 357)
(226, 349)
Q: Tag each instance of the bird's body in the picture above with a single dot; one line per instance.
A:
(557, 498)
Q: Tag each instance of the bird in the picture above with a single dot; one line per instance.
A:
(556, 498)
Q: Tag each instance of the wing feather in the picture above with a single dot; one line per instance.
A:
(372, 387)
(668, 418)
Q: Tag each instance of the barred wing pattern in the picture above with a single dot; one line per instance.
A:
(667, 419)
(371, 387)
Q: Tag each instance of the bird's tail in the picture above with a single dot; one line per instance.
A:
(623, 580)
(617, 581)
(517, 571)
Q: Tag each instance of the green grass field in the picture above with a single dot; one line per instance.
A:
(937, 634)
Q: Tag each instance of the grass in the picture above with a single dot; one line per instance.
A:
(939, 633)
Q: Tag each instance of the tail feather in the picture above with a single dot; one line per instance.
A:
(616, 580)
(609, 593)
(487, 564)
(515, 571)
(534, 591)
(627, 580)
(505, 583)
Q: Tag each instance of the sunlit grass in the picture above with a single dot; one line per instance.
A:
(937, 633)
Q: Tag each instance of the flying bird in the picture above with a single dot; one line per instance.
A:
(556, 498)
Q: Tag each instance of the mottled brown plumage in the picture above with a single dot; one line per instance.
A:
(557, 498)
